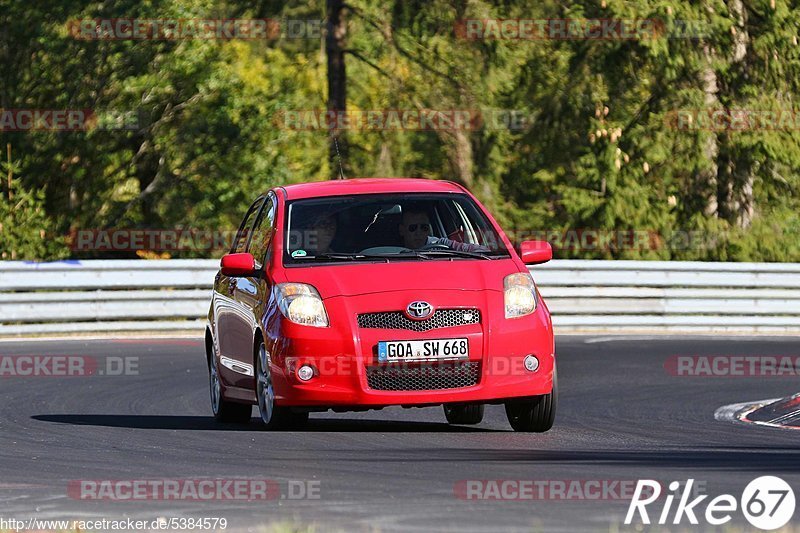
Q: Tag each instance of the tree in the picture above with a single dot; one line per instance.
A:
(335, 39)
(26, 231)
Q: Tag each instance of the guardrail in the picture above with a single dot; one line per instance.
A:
(626, 296)
(672, 296)
(107, 295)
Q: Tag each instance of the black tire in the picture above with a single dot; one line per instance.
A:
(535, 414)
(471, 413)
(272, 416)
(224, 410)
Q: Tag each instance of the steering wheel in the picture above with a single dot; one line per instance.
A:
(435, 246)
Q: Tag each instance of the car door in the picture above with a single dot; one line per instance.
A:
(251, 292)
(233, 331)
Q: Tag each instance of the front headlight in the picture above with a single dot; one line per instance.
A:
(301, 304)
(520, 295)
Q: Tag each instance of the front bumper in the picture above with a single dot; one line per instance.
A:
(342, 356)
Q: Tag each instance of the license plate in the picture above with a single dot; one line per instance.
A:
(426, 350)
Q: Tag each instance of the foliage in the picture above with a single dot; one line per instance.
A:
(25, 229)
(599, 150)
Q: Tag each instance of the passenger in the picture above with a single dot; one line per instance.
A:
(322, 232)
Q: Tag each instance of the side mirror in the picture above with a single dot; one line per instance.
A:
(535, 252)
(238, 265)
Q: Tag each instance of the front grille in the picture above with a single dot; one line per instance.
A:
(441, 318)
(402, 378)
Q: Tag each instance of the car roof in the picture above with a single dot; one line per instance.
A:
(368, 186)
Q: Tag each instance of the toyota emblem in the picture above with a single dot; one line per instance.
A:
(419, 310)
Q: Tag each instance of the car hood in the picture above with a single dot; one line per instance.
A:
(366, 278)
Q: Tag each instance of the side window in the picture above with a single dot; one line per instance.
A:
(240, 242)
(262, 232)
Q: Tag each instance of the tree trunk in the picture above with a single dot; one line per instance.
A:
(385, 165)
(337, 83)
(708, 175)
(10, 191)
(463, 158)
(735, 176)
(146, 171)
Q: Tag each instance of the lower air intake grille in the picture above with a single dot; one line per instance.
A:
(423, 377)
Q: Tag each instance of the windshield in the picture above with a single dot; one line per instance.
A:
(389, 227)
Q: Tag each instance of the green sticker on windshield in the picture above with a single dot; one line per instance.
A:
(299, 253)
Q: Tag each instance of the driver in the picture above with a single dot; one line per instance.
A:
(415, 229)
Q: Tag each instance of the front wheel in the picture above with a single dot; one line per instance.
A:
(535, 414)
(464, 414)
(272, 416)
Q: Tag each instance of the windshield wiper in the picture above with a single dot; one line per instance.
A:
(333, 255)
(413, 254)
(459, 253)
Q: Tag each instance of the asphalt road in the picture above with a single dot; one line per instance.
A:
(621, 417)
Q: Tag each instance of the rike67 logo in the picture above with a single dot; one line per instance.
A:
(767, 503)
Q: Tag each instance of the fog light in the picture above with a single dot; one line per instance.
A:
(305, 372)
(531, 363)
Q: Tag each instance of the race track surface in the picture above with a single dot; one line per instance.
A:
(622, 417)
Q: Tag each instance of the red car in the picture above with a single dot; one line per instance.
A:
(365, 293)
